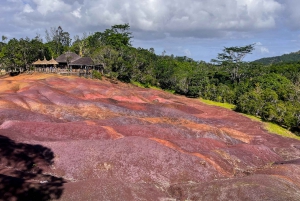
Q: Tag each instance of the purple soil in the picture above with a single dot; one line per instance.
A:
(70, 138)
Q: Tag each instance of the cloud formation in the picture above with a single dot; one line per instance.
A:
(177, 18)
(261, 48)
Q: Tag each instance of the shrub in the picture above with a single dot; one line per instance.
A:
(97, 75)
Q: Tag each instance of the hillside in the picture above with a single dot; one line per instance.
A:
(291, 57)
(70, 138)
(253, 88)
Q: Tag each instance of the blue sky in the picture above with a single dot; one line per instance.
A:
(199, 29)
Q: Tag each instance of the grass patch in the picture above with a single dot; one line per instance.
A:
(274, 128)
(135, 83)
(154, 87)
(214, 103)
(270, 127)
(170, 91)
(253, 117)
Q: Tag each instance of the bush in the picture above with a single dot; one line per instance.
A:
(97, 75)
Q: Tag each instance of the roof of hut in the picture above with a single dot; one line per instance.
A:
(52, 62)
(67, 57)
(87, 61)
(38, 62)
(44, 61)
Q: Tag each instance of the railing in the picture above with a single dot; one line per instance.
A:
(87, 73)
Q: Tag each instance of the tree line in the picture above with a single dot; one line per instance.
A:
(293, 56)
(271, 91)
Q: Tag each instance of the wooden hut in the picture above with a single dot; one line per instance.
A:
(68, 63)
(65, 59)
(45, 65)
(53, 65)
(37, 65)
(71, 63)
(83, 66)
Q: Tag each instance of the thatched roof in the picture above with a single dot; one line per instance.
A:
(44, 62)
(84, 61)
(38, 62)
(67, 57)
(52, 62)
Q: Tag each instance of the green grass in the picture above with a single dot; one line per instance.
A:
(253, 117)
(154, 87)
(274, 128)
(270, 127)
(137, 84)
(214, 103)
(170, 91)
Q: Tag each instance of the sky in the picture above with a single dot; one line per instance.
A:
(199, 29)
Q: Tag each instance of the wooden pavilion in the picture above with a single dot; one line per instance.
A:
(72, 63)
(68, 63)
(65, 59)
(45, 65)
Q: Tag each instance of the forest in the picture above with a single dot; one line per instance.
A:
(291, 57)
(268, 91)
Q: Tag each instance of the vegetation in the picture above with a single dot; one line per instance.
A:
(214, 103)
(97, 75)
(270, 92)
(274, 128)
(291, 57)
(271, 127)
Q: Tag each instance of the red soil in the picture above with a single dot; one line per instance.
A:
(72, 138)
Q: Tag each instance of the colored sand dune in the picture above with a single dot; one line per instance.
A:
(72, 138)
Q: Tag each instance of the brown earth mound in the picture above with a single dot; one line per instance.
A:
(71, 138)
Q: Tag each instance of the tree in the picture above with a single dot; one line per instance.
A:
(165, 72)
(79, 45)
(4, 38)
(12, 53)
(118, 36)
(58, 40)
(106, 56)
(233, 56)
(22, 52)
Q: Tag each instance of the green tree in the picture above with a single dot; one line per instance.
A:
(119, 35)
(58, 40)
(164, 72)
(107, 56)
(232, 57)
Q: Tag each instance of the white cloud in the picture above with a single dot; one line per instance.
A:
(45, 6)
(77, 12)
(155, 18)
(27, 9)
(194, 18)
(264, 50)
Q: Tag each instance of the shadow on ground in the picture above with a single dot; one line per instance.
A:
(21, 172)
